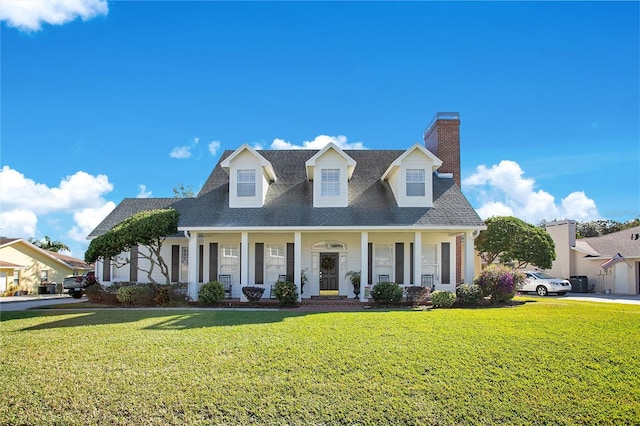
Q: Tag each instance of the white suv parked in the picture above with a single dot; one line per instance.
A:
(544, 284)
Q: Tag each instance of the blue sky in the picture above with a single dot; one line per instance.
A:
(103, 101)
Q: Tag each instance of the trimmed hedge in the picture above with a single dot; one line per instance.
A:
(140, 294)
(211, 293)
(386, 293)
(469, 294)
(286, 293)
(442, 299)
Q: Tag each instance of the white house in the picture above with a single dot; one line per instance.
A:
(393, 215)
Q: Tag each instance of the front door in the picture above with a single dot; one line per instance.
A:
(329, 272)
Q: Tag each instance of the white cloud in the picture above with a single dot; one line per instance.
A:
(318, 143)
(503, 190)
(181, 152)
(24, 202)
(214, 146)
(87, 219)
(143, 192)
(20, 223)
(578, 206)
(29, 15)
(75, 192)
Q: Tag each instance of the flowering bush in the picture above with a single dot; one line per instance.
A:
(499, 282)
(286, 293)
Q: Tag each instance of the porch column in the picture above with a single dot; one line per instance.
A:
(193, 266)
(244, 264)
(364, 263)
(417, 258)
(469, 257)
(297, 265)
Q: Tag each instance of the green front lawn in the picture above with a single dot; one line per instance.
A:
(549, 361)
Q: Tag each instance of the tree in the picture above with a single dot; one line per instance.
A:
(511, 240)
(181, 191)
(47, 244)
(597, 228)
(148, 229)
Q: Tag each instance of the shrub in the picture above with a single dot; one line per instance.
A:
(469, 294)
(442, 299)
(286, 293)
(386, 293)
(418, 295)
(95, 293)
(171, 295)
(211, 293)
(138, 294)
(499, 282)
(253, 293)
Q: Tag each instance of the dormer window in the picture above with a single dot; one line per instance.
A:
(330, 170)
(330, 183)
(246, 183)
(250, 175)
(410, 177)
(415, 182)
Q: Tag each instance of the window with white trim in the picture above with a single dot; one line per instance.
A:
(229, 262)
(330, 182)
(275, 262)
(415, 183)
(184, 263)
(246, 183)
(430, 259)
(382, 261)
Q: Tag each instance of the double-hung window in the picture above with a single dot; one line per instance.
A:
(246, 183)
(330, 183)
(415, 183)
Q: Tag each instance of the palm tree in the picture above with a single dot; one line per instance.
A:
(47, 244)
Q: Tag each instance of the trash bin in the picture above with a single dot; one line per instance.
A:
(42, 289)
(579, 284)
(51, 287)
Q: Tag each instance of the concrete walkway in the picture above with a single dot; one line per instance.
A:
(20, 303)
(601, 297)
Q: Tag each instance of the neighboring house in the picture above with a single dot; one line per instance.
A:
(393, 215)
(586, 256)
(26, 266)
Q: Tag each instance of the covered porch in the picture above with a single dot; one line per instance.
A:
(322, 258)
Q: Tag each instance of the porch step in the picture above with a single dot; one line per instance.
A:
(331, 297)
(331, 300)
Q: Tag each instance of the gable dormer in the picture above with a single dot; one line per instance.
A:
(411, 177)
(249, 177)
(330, 169)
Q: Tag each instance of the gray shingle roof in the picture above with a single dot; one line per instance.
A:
(616, 242)
(289, 202)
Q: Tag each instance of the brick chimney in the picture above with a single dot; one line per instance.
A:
(442, 138)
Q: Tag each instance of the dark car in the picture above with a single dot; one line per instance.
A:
(75, 285)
